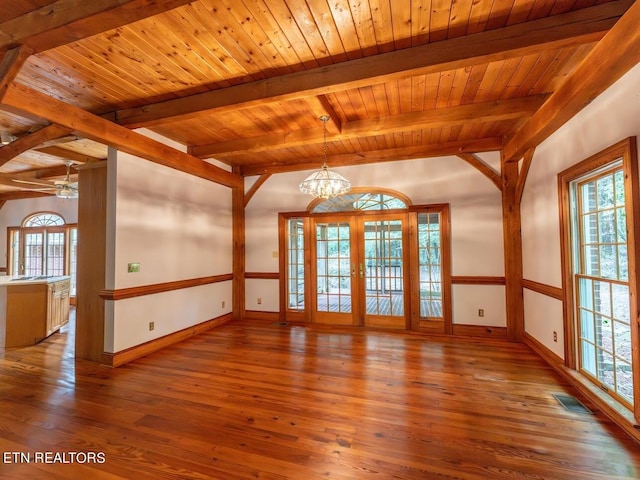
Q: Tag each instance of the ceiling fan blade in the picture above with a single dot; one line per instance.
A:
(42, 184)
(43, 189)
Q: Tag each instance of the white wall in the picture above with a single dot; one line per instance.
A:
(476, 225)
(15, 211)
(178, 227)
(611, 117)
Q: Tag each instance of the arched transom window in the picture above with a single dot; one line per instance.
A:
(43, 220)
(360, 200)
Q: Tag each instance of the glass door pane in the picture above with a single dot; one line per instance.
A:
(55, 260)
(333, 252)
(33, 253)
(383, 272)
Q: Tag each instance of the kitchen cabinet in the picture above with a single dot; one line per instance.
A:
(32, 308)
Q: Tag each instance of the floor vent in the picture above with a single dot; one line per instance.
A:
(571, 404)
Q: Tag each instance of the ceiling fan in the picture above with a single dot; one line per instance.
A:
(63, 188)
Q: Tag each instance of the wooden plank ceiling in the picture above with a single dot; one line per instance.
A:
(245, 81)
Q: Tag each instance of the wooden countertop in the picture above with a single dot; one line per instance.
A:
(6, 280)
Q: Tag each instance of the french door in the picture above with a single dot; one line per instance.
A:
(334, 252)
(360, 276)
(42, 251)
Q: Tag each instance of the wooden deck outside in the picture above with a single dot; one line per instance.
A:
(253, 400)
(376, 304)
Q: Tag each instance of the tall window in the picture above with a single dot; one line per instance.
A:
(295, 267)
(73, 259)
(43, 245)
(602, 275)
(598, 235)
(430, 265)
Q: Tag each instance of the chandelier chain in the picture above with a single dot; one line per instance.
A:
(325, 119)
(325, 183)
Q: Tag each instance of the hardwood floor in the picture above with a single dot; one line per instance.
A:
(263, 401)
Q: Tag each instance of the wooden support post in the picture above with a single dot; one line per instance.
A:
(237, 210)
(92, 228)
(512, 252)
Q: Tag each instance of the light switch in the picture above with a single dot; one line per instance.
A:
(275, 254)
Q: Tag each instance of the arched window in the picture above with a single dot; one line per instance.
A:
(43, 220)
(44, 244)
(361, 199)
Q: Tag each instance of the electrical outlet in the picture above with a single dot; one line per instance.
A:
(222, 303)
(555, 336)
(259, 301)
(481, 312)
(152, 325)
(133, 267)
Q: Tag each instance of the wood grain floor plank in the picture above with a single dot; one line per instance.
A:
(261, 401)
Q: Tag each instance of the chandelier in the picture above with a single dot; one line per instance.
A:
(325, 183)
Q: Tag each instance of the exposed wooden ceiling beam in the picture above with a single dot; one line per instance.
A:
(67, 21)
(42, 173)
(255, 187)
(569, 29)
(524, 171)
(406, 122)
(376, 156)
(320, 106)
(66, 154)
(22, 144)
(10, 65)
(610, 59)
(31, 102)
(483, 167)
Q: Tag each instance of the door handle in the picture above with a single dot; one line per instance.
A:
(361, 270)
(353, 269)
